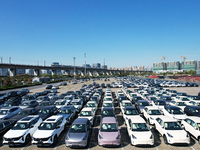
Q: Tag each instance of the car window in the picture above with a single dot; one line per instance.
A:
(188, 121)
(193, 124)
(7, 123)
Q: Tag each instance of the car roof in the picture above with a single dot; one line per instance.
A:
(28, 118)
(109, 120)
(194, 118)
(87, 109)
(53, 118)
(137, 119)
(196, 107)
(107, 108)
(152, 108)
(80, 121)
(167, 119)
(48, 107)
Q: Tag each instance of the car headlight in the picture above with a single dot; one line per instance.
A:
(100, 137)
(118, 137)
(133, 137)
(151, 137)
(170, 135)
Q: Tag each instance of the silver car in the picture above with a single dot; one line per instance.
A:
(78, 133)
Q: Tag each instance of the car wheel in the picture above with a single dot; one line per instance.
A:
(165, 139)
(28, 139)
(55, 139)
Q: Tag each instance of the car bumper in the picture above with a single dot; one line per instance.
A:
(178, 140)
(13, 142)
(142, 142)
(42, 143)
(107, 142)
(75, 143)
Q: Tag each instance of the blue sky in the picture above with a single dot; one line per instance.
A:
(124, 32)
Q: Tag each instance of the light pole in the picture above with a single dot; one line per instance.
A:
(85, 64)
(74, 66)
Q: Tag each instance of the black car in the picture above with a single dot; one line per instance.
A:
(25, 112)
(5, 125)
(121, 98)
(62, 96)
(103, 85)
(11, 94)
(130, 110)
(28, 97)
(136, 98)
(42, 98)
(192, 110)
(49, 86)
(47, 111)
(167, 99)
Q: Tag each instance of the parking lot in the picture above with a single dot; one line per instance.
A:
(125, 141)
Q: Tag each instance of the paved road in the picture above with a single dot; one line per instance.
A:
(93, 144)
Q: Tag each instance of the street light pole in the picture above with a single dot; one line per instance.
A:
(74, 66)
(85, 64)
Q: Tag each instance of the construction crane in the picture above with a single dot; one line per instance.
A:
(183, 58)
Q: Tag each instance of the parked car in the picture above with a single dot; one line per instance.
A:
(78, 133)
(109, 133)
(192, 110)
(5, 125)
(49, 86)
(171, 131)
(139, 132)
(49, 131)
(107, 112)
(88, 113)
(192, 125)
(28, 104)
(141, 104)
(22, 131)
(129, 112)
(9, 112)
(47, 111)
(68, 112)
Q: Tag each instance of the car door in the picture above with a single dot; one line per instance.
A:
(159, 125)
(194, 130)
(60, 125)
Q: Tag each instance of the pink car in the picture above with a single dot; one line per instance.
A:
(109, 132)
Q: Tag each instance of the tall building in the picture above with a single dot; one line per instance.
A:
(97, 65)
(159, 67)
(189, 65)
(104, 67)
(173, 66)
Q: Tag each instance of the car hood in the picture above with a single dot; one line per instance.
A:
(143, 135)
(109, 135)
(43, 133)
(65, 115)
(179, 134)
(22, 107)
(76, 136)
(179, 116)
(14, 133)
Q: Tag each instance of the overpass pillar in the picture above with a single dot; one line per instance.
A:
(36, 72)
(90, 73)
(53, 72)
(13, 72)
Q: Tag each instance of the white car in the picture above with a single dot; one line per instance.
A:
(129, 112)
(192, 125)
(174, 112)
(89, 113)
(171, 130)
(22, 131)
(92, 104)
(48, 132)
(151, 113)
(77, 103)
(107, 104)
(139, 132)
(182, 98)
(60, 103)
(125, 103)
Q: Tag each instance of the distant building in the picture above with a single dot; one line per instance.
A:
(4, 72)
(173, 66)
(30, 72)
(104, 67)
(87, 66)
(21, 71)
(97, 65)
(55, 64)
(189, 65)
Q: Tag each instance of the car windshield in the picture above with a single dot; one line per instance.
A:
(43, 104)
(109, 127)
(167, 98)
(144, 104)
(176, 111)
(139, 127)
(181, 104)
(59, 103)
(75, 103)
(160, 103)
(152, 98)
(131, 112)
(108, 113)
(126, 104)
(172, 126)
(65, 111)
(24, 104)
(108, 99)
(44, 111)
(86, 113)
(7, 105)
(47, 126)
(154, 112)
(90, 105)
(185, 99)
(78, 128)
(23, 113)
(3, 112)
(21, 126)
(107, 105)
(196, 98)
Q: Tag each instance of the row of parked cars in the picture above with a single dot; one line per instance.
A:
(174, 115)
